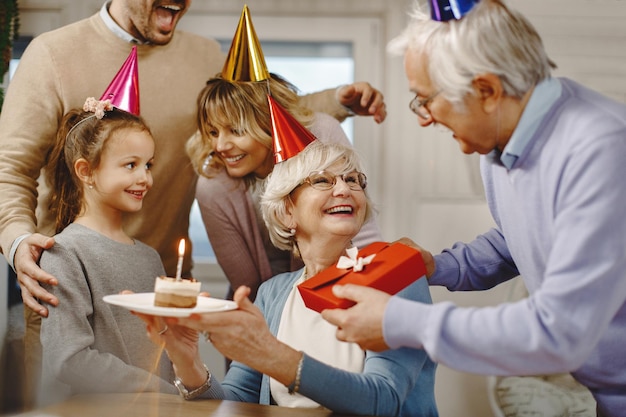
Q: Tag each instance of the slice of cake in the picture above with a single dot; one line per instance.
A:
(170, 292)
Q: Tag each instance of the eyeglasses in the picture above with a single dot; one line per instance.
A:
(324, 180)
(420, 108)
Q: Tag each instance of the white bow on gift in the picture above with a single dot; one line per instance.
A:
(352, 261)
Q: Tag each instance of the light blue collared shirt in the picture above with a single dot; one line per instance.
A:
(545, 94)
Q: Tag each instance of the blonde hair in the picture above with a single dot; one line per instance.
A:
(289, 174)
(240, 106)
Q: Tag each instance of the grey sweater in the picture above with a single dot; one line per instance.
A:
(89, 345)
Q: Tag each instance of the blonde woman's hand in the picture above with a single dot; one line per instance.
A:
(363, 100)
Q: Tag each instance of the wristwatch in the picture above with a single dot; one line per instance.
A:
(190, 395)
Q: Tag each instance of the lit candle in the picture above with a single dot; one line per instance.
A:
(181, 254)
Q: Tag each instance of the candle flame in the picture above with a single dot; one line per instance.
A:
(181, 254)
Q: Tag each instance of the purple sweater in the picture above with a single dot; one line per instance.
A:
(561, 224)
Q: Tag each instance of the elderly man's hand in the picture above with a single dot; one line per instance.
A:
(427, 257)
(361, 323)
(363, 99)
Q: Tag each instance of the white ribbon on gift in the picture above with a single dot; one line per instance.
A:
(352, 261)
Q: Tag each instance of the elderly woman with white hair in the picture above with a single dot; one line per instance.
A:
(284, 353)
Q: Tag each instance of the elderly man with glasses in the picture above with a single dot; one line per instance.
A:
(553, 159)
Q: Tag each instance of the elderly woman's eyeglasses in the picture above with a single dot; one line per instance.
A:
(324, 180)
(420, 108)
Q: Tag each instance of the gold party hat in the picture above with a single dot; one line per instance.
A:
(245, 61)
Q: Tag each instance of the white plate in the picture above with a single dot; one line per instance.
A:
(144, 303)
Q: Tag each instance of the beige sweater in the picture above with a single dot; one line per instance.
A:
(57, 72)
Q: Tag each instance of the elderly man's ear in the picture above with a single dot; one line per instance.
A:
(488, 88)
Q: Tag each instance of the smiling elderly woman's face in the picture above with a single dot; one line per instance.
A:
(319, 207)
(298, 197)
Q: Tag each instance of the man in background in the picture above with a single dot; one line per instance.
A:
(58, 70)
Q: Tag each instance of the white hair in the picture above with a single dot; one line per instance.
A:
(289, 174)
(490, 38)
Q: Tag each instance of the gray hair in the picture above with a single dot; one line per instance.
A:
(289, 174)
(491, 38)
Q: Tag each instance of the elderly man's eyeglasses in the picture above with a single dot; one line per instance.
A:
(324, 180)
(420, 108)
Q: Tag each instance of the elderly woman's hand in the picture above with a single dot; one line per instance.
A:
(242, 335)
(180, 342)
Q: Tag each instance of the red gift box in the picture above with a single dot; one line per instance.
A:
(393, 267)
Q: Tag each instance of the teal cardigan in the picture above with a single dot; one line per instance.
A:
(393, 383)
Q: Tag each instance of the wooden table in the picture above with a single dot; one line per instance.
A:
(164, 405)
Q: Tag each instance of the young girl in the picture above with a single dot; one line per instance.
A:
(233, 155)
(99, 170)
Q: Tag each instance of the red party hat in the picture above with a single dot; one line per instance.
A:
(123, 92)
(290, 137)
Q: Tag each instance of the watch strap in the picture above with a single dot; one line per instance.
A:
(190, 395)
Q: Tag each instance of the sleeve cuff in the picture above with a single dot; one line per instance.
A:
(14, 246)
(403, 321)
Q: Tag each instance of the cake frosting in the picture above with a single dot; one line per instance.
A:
(170, 292)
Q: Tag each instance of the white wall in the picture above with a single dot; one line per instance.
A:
(424, 187)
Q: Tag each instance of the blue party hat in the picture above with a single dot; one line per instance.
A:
(444, 10)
